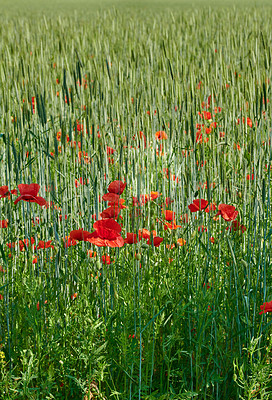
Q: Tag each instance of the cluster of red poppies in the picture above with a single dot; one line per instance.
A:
(107, 231)
(227, 212)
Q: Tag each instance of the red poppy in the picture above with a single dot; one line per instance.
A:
(91, 253)
(145, 234)
(168, 201)
(110, 212)
(30, 193)
(110, 150)
(4, 192)
(68, 241)
(107, 233)
(184, 218)
(25, 243)
(4, 223)
(119, 203)
(160, 135)
(198, 205)
(11, 245)
(106, 260)
(113, 197)
(208, 285)
(250, 177)
(117, 187)
(266, 307)
(169, 215)
(144, 198)
(131, 238)
(228, 213)
(135, 201)
(156, 241)
(45, 245)
(33, 104)
(211, 207)
(154, 195)
(74, 296)
(171, 225)
(236, 226)
(181, 242)
(80, 234)
(207, 115)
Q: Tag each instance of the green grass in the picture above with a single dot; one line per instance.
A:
(50, 7)
(167, 322)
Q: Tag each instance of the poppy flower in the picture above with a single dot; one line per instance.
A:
(236, 226)
(184, 218)
(169, 215)
(171, 225)
(68, 241)
(80, 234)
(117, 187)
(74, 296)
(45, 245)
(144, 198)
(211, 207)
(106, 260)
(208, 286)
(207, 115)
(4, 223)
(111, 197)
(135, 201)
(145, 234)
(198, 205)
(11, 245)
(30, 193)
(168, 201)
(4, 192)
(142, 136)
(181, 242)
(154, 195)
(110, 150)
(119, 203)
(228, 213)
(110, 212)
(25, 243)
(266, 307)
(91, 253)
(107, 233)
(156, 241)
(131, 238)
(160, 135)
(33, 104)
(250, 177)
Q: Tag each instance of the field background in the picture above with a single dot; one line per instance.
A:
(84, 88)
(69, 6)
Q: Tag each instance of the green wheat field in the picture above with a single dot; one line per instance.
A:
(135, 200)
